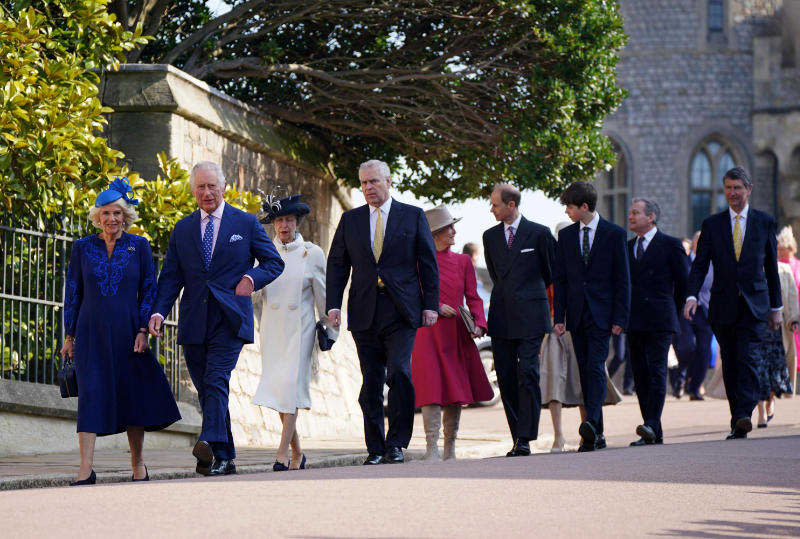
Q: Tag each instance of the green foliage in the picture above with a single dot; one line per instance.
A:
(50, 113)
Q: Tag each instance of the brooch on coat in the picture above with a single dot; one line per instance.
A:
(132, 248)
(235, 237)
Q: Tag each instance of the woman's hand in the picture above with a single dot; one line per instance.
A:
(447, 311)
(140, 344)
(479, 332)
(67, 348)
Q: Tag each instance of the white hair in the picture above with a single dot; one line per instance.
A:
(382, 167)
(129, 215)
(207, 165)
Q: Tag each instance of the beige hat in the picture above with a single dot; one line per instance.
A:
(439, 217)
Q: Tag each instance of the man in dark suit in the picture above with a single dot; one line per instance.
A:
(659, 269)
(745, 294)
(592, 298)
(210, 257)
(394, 290)
(519, 256)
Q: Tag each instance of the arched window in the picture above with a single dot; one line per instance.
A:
(709, 164)
(613, 190)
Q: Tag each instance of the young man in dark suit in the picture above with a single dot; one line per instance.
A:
(388, 247)
(592, 298)
(746, 292)
(659, 269)
(519, 256)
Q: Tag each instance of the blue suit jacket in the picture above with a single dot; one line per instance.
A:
(604, 283)
(754, 276)
(232, 259)
(407, 266)
(658, 284)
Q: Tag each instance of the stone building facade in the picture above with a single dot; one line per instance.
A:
(711, 84)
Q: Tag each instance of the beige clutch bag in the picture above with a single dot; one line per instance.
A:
(467, 318)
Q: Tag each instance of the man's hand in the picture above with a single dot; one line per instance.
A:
(140, 344)
(479, 332)
(429, 318)
(447, 311)
(335, 318)
(559, 329)
(245, 287)
(67, 348)
(155, 325)
(775, 320)
(617, 330)
(690, 309)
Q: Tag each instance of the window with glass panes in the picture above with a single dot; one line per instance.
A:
(709, 164)
(613, 190)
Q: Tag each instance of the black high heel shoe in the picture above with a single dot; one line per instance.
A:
(91, 480)
(145, 478)
(279, 467)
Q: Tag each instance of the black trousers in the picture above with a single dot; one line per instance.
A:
(516, 362)
(384, 352)
(621, 355)
(648, 357)
(591, 350)
(737, 342)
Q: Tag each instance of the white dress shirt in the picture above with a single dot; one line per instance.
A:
(742, 220)
(592, 226)
(217, 220)
(645, 240)
(373, 218)
(515, 225)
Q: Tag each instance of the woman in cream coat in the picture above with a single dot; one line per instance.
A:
(288, 326)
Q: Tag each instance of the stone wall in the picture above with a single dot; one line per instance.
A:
(159, 108)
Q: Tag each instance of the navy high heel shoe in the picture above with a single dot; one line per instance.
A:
(145, 478)
(91, 480)
(303, 463)
(279, 467)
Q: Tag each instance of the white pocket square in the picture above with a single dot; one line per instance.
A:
(235, 237)
(526, 251)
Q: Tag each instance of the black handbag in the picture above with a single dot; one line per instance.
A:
(325, 342)
(67, 378)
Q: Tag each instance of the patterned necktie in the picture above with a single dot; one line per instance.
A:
(737, 237)
(640, 249)
(377, 240)
(585, 246)
(208, 239)
(510, 236)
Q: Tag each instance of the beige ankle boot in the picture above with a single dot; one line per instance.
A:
(432, 420)
(450, 420)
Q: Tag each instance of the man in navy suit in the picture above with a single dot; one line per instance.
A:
(659, 269)
(519, 257)
(592, 298)
(388, 248)
(210, 257)
(745, 295)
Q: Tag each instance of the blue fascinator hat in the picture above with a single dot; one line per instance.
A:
(119, 188)
(273, 208)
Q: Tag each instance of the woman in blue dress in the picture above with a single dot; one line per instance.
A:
(110, 288)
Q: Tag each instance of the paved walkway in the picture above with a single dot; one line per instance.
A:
(483, 434)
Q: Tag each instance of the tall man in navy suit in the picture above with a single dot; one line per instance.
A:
(519, 257)
(746, 292)
(592, 298)
(388, 248)
(659, 269)
(210, 257)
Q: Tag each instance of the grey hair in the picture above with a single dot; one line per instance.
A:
(129, 215)
(207, 165)
(382, 167)
(650, 208)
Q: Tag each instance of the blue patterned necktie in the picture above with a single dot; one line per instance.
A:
(208, 239)
(585, 248)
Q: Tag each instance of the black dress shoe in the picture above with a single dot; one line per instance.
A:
(202, 469)
(585, 448)
(659, 441)
(600, 443)
(647, 433)
(696, 397)
(145, 478)
(521, 449)
(372, 459)
(743, 425)
(279, 467)
(91, 480)
(223, 467)
(588, 433)
(393, 456)
(762, 425)
(203, 453)
(734, 436)
(639, 443)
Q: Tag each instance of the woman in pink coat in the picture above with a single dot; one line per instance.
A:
(446, 366)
